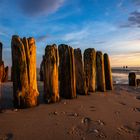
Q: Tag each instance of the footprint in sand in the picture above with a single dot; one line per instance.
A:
(92, 108)
(122, 103)
(125, 129)
(117, 113)
(75, 131)
(138, 123)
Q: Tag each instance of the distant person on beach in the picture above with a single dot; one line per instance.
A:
(125, 67)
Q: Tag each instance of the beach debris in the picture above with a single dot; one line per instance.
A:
(25, 91)
(96, 131)
(3, 70)
(102, 135)
(101, 86)
(50, 62)
(53, 113)
(90, 68)
(67, 76)
(99, 122)
(81, 87)
(74, 114)
(132, 79)
(86, 120)
(108, 73)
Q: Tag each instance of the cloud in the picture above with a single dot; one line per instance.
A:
(94, 34)
(42, 38)
(136, 2)
(133, 16)
(37, 7)
(133, 20)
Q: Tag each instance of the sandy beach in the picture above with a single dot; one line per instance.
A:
(110, 115)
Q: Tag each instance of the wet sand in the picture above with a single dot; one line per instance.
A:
(111, 115)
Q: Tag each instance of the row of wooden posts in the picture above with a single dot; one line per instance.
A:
(64, 72)
(133, 81)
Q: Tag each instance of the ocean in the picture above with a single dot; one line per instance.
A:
(120, 75)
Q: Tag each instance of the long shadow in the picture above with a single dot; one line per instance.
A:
(6, 95)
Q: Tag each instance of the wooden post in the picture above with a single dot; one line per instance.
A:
(51, 87)
(67, 72)
(100, 72)
(25, 90)
(90, 68)
(108, 73)
(81, 87)
(132, 79)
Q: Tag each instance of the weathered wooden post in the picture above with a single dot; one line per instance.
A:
(67, 76)
(90, 68)
(81, 87)
(5, 75)
(132, 79)
(1, 64)
(25, 90)
(138, 82)
(41, 72)
(2, 71)
(51, 86)
(100, 72)
(108, 73)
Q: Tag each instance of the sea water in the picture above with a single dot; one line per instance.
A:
(120, 75)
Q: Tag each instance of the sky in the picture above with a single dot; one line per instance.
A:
(110, 26)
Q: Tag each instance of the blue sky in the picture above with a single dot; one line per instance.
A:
(112, 26)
